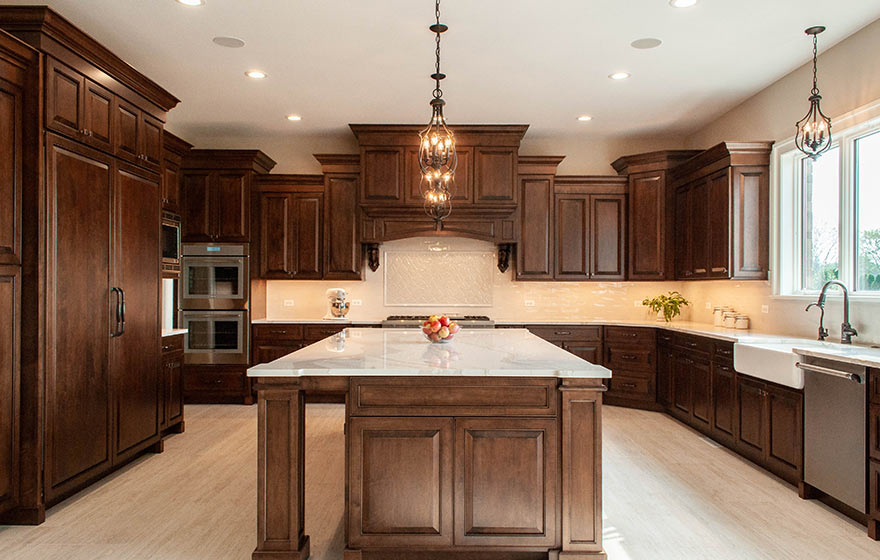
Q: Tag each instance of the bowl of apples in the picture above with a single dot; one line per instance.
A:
(440, 329)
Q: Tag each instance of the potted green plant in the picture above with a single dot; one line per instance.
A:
(669, 305)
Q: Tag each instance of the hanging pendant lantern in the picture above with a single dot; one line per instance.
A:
(813, 135)
(437, 156)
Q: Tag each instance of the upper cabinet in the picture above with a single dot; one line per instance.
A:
(342, 251)
(721, 211)
(534, 257)
(650, 212)
(174, 150)
(216, 191)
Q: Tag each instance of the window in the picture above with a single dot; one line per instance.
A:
(827, 223)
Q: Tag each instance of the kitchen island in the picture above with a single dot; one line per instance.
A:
(486, 447)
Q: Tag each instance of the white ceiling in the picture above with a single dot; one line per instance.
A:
(509, 61)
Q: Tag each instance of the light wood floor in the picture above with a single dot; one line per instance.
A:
(668, 494)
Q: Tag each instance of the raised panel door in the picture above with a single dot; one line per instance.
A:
(150, 141)
(505, 481)
(874, 497)
(79, 196)
(535, 251)
(173, 389)
(572, 219)
(10, 363)
(495, 175)
(785, 432)
(232, 207)
(308, 210)
(723, 403)
(750, 229)
(665, 371)
(197, 219)
(750, 433)
(874, 432)
(135, 354)
(699, 229)
(10, 172)
(126, 133)
(383, 175)
(719, 227)
(275, 235)
(683, 262)
(400, 482)
(264, 353)
(171, 186)
(647, 225)
(702, 395)
(98, 116)
(462, 192)
(607, 243)
(682, 387)
(591, 352)
(64, 98)
(342, 251)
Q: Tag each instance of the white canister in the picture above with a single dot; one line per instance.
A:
(718, 316)
(730, 320)
(742, 322)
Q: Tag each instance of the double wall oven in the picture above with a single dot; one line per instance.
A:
(213, 299)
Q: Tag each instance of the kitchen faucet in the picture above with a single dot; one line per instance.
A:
(846, 330)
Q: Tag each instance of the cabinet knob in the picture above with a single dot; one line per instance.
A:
(628, 385)
(629, 357)
(563, 333)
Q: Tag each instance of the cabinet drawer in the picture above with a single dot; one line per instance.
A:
(396, 396)
(631, 387)
(563, 332)
(318, 332)
(665, 338)
(630, 358)
(278, 332)
(874, 386)
(206, 380)
(723, 351)
(630, 335)
(172, 343)
(693, 343)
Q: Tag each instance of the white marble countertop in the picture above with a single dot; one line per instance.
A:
(347, 322)
(853, 354)
(406, 352)
(172, 332)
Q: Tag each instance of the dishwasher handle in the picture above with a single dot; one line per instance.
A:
(854, 377)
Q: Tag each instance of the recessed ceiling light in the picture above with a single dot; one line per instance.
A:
(229, 42)
(255, 74)
(619, 75)
(682, 3)
(647, 43)
(191, 2)
(294, 118)
(585, 118)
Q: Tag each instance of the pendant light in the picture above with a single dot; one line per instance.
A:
(437, 156)
(813, 135)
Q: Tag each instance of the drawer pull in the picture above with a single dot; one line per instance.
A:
(719, 269)
(166, 348)
(628, 385)
(217, 381)
(699, 271)
(279, 332)
(563, 333)
(692, 344)
(629, 357)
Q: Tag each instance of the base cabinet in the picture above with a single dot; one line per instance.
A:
(10, 302)
(172, 384)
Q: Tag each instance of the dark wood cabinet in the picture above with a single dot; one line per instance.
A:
(173, 152)
(216, 197)
(874, 499)
(291, 225)
(342, 251)
(682, 387)
(750, 437)
(701, 394)
(874, 453)
(271, 341)
(534, 259)
(589, 236)
(10, 383)
(722, 212)
(607, 237)
(724, 403)
(171, 409)
(583, 341)
(12, 81)
(216, 384)
(495, 173)
(65, 90)
(631, 355)
(665, 370)
(138, 136)
(383, 175)
(97, 116)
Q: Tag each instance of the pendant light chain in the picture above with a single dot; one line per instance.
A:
(438, 93)
(815, 90)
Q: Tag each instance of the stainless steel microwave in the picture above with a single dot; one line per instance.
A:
(170, 242)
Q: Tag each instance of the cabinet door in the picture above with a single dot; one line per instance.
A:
(173, 389)
(719, 229)
(79, 193)
(647, 225)
(10, 319)
(135, 355)
(874, 432)
(589, 351)
(196, 216)
(400, 482)
(150, 141)
(505, 481)
(307, 225)
(750, 228)
(170, 185)
(701, 395)
(607, 237)
(535, 251)
(683, 262)
(276, 235)
(572, 227)
(264, 353)
(874, 495)
(342, 251)
(699, 229)
(126, 133)
(682, 386)
(64, 98)
(10, 172)
(785, 432)
(98, 116)
(383, 175)
(231, 198)
(750, 441)
(665, 372)
(495, 175)
(462, 191)
(723, 403)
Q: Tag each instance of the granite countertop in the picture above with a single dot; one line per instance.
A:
(313, 322)
(406, 352)
(172, 332)
(867, 356)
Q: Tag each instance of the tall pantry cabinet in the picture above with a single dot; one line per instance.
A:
(89, 388)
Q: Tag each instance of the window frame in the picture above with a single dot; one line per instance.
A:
(787, 209)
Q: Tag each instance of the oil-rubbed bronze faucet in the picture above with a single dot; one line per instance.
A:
(846, 329)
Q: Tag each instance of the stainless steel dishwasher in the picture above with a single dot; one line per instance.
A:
(834, 429)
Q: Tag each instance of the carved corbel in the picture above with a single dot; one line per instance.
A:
(372, 255)
(504, 251)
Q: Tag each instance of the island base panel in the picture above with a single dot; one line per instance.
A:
(392, 554)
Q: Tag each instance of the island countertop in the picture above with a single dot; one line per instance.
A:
(405, 352)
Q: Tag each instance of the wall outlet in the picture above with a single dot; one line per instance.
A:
(637, 303)
(529, 303)
(708, 305)
(357, 302)
(765, 309)
(289, 303)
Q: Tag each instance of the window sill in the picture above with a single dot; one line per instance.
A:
(858, 298)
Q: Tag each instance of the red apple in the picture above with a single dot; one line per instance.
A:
(434, 337)
(443, 332)
(427, 330)
(435, 326)
(453, 327)
(444, 320)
